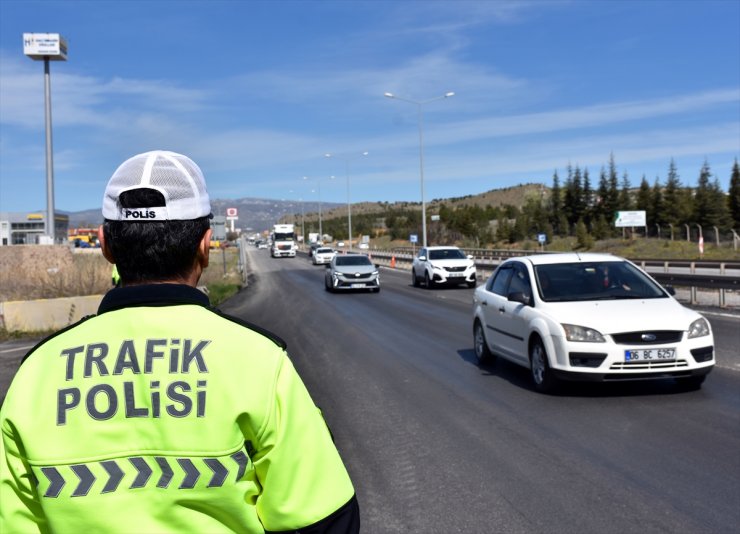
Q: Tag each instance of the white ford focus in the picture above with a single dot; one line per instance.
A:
(591, 317)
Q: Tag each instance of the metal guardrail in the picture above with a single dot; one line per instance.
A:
(487, 262)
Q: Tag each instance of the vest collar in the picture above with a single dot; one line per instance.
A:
(152, 295)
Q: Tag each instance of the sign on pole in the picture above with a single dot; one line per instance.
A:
(629, 218)
(45, 45)
(414, 238)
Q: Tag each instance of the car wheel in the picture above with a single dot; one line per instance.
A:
(414, 279)
(482, 352)
(472, 284)
(544, 380)
(427, 281)
(327, 285)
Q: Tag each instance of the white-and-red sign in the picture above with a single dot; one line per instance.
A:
(232, 212)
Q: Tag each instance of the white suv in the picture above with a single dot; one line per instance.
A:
(442, 265)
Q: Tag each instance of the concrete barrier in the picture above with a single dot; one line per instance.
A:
(46, 314)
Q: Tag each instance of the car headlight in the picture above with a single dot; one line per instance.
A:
(699, 328)
(375, 273)
(581, 333)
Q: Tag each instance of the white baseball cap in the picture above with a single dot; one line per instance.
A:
(177, 177)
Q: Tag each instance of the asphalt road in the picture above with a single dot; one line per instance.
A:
(435, 444)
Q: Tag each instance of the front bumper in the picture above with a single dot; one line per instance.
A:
(445, 277)
(605, 362)
(355, 283)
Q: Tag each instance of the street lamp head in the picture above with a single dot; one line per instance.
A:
(448, 95)
(327, 155)
(389, 95)
(365, 153)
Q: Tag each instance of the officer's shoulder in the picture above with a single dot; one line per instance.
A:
(240, 323)
(55, 335)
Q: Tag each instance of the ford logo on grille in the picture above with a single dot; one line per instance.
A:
(648, 337)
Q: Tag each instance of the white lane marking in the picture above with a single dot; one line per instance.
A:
(719, 314)
(14, 349)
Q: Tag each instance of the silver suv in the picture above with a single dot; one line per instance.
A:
(351, 271)
(442, 265)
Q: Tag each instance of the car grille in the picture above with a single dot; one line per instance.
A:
(642, 366)
(354, 276)
(455, 269)
(648, 337)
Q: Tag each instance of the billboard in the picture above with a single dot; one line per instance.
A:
(42, 45)
(629, 218)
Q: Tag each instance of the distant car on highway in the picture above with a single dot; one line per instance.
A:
(323, 255)
(442, 265)
(363, 246)
(588, 317)
(351, 271)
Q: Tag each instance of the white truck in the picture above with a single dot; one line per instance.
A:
(283, 241)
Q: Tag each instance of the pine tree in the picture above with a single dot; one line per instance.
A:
(710, 208)
(643, 201)
(676, 199)
(733, 198)
(625, 198)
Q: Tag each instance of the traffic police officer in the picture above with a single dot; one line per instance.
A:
(161, 414)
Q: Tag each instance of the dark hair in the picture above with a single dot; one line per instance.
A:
(152, 251)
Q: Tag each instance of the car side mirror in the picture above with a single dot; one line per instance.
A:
(671, 290)
(471, 257)
(377, 266)
(518, 296)
(422, 258)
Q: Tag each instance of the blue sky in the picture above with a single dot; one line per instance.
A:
(257, 92)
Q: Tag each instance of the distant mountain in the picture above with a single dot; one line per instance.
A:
(255, 214)
(259, 214)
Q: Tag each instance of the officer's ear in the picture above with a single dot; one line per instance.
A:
(104, 246)
(204, 249)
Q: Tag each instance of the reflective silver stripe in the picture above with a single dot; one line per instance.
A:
(115, 475)
(220, 469)
(191, 473)
(87, 479)
(219, 472)
(145, 472)
(56, 481)
(242, 460)
(166, 477)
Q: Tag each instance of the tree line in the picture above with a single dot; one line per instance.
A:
(575, 206)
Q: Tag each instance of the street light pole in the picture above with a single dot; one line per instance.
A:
(318, 183)
(346, 160)
(419, 105)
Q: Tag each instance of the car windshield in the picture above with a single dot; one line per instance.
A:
(447, 254)
(354, 260)
(324, 251)
(608, 280)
